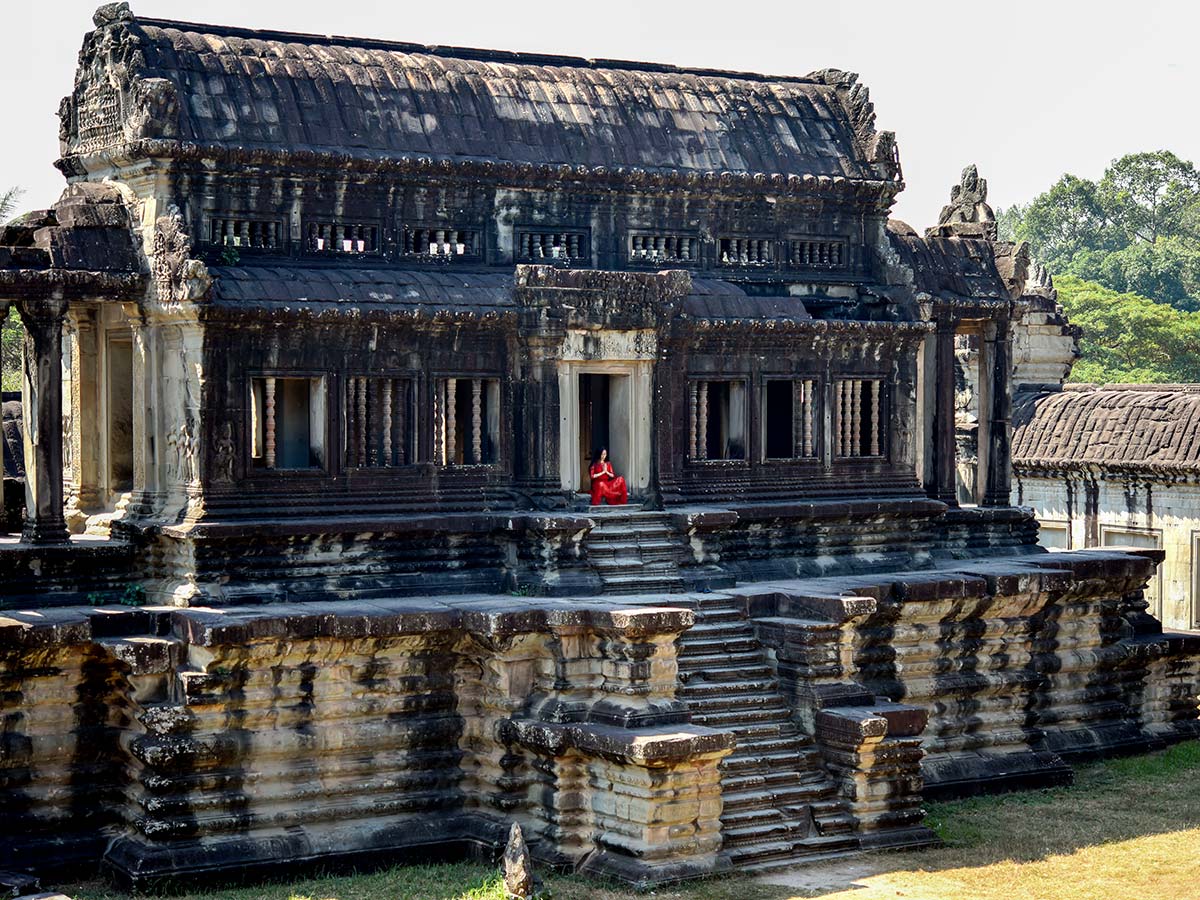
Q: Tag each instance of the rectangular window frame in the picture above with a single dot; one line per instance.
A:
(412, 232)
(1106, 531)
(315, 230)
(758, 241)
(789, 248)
(243, 242)
(1063, 525)
(677, 261)
(583, 259)
(365, 449)
(843, 430)
(492, 419)
(258, 415)
(697, 390)
(806, 429)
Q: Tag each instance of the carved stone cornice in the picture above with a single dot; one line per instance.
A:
(507, 174)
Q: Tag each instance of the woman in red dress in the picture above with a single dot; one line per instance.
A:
(607, 485)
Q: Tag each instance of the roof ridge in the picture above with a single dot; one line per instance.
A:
(485, 55)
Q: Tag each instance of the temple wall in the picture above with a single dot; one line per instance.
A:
(1080, 509)
(255, 737)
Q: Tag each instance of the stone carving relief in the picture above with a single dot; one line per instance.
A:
(177, 277)
(968, 201)
(224, 456)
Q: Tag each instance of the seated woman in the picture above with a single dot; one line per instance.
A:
(607, 485)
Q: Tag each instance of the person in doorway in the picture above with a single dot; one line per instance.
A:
(607, 485)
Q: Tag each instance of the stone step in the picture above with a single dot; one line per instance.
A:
(696, 691)
(723, 668)
(739, 718)
(786, 799)
(753, 826)
(782, 777)
(709, 646)
(635, 585)
(783, 757)
(742, 702)
(780, 854)
(705, 627)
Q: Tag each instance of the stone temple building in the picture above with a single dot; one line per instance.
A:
(1118, 465)
(319, 341)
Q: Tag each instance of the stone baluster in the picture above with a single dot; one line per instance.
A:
(269, 423)
(400, 411)
(692, 389)
(856, 386)
(702, 422)
(439, 423)
(451, 421)
(361, 407)
(385, 419)
(875, 417)
(808, 418)
(477, 420)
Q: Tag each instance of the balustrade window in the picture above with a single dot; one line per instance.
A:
(287, 422)
(746, 251)
(252, 234)
(789, 421)
(442, 244)
(858, 420)
(378, 413)
(342, 238)
(466, 421)
(657, 249)
(548, 246)
(816, 254)
(717, 420)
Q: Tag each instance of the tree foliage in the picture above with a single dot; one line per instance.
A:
(10, 328)
(1135, 230)
(1129, 338)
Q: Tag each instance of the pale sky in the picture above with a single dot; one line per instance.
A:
(1027, 90)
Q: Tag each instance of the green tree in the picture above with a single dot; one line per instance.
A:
(10, 331)
(1136, 230)
(1128, 337)
(1146, 194)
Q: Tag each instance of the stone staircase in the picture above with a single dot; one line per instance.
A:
(634, 551)
(780, 805)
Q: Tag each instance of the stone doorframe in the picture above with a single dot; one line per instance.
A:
(629, 404)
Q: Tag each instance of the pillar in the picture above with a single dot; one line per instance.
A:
(89, 472)
(42, 401)
(944, 475)
(998, 491)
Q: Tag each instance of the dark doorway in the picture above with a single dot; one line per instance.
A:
(777, 420)
(593, 422)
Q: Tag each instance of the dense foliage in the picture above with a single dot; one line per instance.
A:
(10, 329)
(1135, 230)
(1129, 338)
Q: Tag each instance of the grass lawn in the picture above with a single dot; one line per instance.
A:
(1127, 830)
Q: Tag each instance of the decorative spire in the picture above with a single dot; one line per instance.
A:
(112, 14)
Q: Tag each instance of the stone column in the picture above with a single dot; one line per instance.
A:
(88, 426)
(42, 400)
(944, 474)
(998, 491)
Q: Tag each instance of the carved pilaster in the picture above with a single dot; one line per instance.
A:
(998, 491)
(42, 398)
(944, 484)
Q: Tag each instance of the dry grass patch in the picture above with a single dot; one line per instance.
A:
(1127, 830)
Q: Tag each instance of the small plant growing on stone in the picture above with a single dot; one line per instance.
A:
(133, 595)
(96, 599)
(230, 256)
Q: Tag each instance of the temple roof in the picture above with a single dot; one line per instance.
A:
(1146, 427)
(440, 293)
(951, 267)
(245, 89)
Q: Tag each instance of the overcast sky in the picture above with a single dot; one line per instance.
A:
(1027, 90)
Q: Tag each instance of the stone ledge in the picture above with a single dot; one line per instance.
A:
(647, 747)
(437, 523)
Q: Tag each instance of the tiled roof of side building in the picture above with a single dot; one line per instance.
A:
(1144, 427)
(271, 90)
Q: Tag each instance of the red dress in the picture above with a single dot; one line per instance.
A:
(607, 485)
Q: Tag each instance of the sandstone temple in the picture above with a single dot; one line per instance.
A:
(320, 340)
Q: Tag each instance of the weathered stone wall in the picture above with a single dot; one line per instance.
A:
(253, 737)
(1079, 509)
